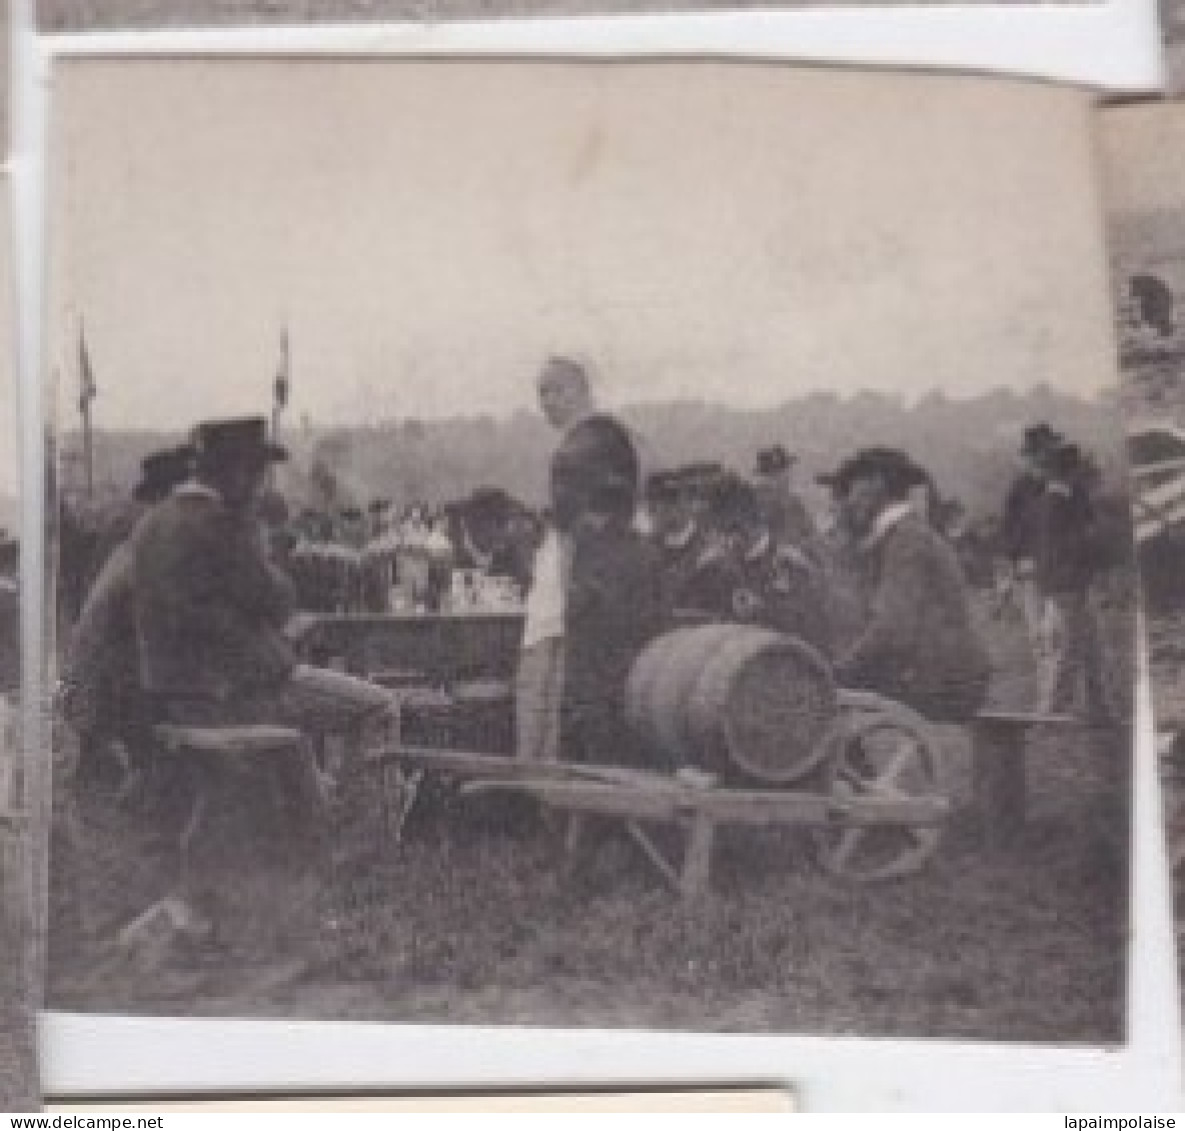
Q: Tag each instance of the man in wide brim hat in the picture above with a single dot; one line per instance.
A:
(242, 439)
(161, 471)
(899, 473)
(1040, 440)
(919, 644)
(211, 607)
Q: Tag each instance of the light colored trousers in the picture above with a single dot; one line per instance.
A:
(538, 691)
(1075, 673)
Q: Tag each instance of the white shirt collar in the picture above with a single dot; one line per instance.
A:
(759, 547)
(681, 538)
(885, 521)
(195, 489)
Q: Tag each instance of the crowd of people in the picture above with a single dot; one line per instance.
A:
(185, 620)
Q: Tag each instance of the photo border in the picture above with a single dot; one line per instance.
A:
(100, 1055)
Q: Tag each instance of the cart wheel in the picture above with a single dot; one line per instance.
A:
(884, 749)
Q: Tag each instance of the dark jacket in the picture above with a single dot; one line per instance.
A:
(784, 591)
(1021, 525)
(787, 516)
(612, 610)
(920, 645)
(1065, 552)
(677, 564)
(209, 607)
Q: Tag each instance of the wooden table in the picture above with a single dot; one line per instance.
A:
(414, 649)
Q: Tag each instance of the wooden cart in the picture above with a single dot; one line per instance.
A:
(872, 816)
(760, 737)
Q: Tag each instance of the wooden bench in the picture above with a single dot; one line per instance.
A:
(1000, 749)
(217, 752)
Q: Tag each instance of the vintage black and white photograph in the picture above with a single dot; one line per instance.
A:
(1140, 148)
(636, 546)
(67, 16)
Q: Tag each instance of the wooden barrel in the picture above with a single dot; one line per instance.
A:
(662, 681)
(745, 703)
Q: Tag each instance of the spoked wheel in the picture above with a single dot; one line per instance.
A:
(884, 751)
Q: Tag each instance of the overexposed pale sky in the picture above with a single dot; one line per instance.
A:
(1144, 157)
(430, 230)
(9, 455)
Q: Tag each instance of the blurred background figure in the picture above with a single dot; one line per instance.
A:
(789, 521)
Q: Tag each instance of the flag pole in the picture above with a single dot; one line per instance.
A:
(279, 394)
(86, 394)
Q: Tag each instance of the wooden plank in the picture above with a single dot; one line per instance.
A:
(246, 739)
(757, 808)
(472, 763)
(696, 876)
(594, 797)
(650, 850)
(1022, 719)
(729, 806)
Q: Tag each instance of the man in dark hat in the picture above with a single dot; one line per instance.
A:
(491, 534)
(1065, 565)
(919, 644)
(100, 688)
(789, 521)
(1020, 531)
(210, 607)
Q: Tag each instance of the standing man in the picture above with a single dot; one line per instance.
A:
(612, 606)
(1020, 531)
(1066, 563)
(565, 397)
(918, 644)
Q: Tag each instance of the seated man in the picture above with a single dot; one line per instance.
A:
(919, 645)
(772, 584)
(210, 608)
(100, 689)
(678, 534)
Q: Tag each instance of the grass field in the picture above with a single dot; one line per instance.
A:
(473, 919)
(18, 1067)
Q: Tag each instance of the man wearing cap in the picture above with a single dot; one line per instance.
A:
(789, 521)
(919, 644)
(100, 689)
(210, 608)
(565, 396)
(677, 503)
